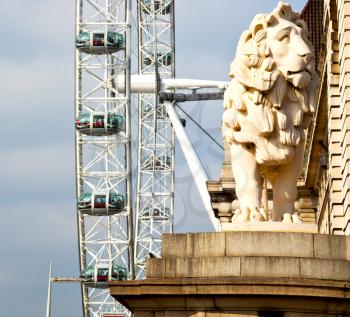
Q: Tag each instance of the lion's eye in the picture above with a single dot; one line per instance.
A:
(284, 39)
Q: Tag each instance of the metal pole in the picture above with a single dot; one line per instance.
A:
(128, 134)
(48, 304)
(199, 175)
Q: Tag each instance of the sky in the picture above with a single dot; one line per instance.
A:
(38, 217)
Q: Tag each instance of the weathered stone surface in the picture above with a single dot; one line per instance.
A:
(215, 266)
(271, 226)
(194, 267)
(231, 314)
(182, 267)
(249, 271)
(325, 269)
(270, 266)
(332, 247)
(144, 313)
(176, 313)
(293, 314)
(170, 266)
(209, 244)
(195, 314)
(177, 245)
(199, 302)
(234, 294)
(269, 244)
(155, 268)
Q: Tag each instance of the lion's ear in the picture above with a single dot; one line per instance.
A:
(271, 20)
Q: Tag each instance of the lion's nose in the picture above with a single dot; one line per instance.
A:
(302, 49)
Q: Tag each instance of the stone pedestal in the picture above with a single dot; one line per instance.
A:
(243, 274)
(270, 226)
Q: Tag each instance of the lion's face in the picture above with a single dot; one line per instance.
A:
(290, 52)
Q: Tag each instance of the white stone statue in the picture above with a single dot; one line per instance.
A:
(268, 105)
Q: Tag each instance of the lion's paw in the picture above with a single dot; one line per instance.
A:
(291, 218)
(259, 215)
(296, 218)
(237, 217)
(246, 215)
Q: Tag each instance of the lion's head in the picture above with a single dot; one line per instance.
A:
(272, 92)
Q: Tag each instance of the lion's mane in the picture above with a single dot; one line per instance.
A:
(254, 101)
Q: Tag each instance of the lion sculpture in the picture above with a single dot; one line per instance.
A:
(268, 105)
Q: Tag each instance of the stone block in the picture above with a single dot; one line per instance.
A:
(208, 244)
(195, 314)
(270, 266)
(155, 268)
(231, 314)
(331, 247)
(270, 226)
(170, 267)
(182, 267)
(143, 313)
(177, 245)
(269, 244)
(199, 302)
(336, 270)
(294, 314)
(215, 267)
(176, 313)
(199, 267)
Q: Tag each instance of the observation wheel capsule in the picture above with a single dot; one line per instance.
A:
(100, 123)
(156, 213)
(164, 59)
(161, 163)
(101, 203)
(103, 273)
(100, 42)
(161, 112)
(161, 7)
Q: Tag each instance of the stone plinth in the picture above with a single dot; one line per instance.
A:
(243, 274)
(270, 226)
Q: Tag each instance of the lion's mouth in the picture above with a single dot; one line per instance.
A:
(300, 79)
(290, 73)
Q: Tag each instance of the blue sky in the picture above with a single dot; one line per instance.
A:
(38, 220)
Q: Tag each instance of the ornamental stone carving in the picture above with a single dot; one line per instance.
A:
(268, 105)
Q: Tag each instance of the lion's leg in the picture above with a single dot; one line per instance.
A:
(285, 186)
(248, 180)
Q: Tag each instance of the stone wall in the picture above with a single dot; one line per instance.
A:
(243, 274)
(228, 314)
(255, 254)
(332, 186)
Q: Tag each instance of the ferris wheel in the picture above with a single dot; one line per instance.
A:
(103, 144)
(103, 150)
(155, 176)
(112, 244)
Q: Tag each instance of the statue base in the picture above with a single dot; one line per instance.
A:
(241, 274)
(270, 226)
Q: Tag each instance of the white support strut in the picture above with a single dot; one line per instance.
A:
(48, 303)
(199, 175)
(148, 84)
